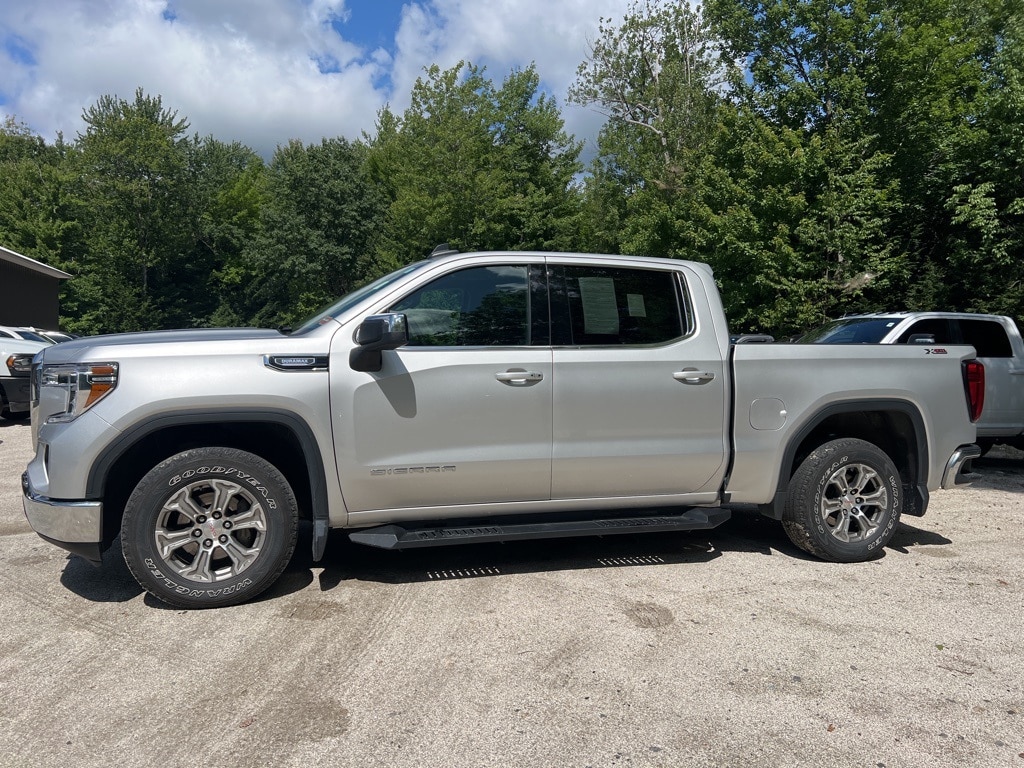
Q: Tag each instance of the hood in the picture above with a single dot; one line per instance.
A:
(80, 349)
(20, 346)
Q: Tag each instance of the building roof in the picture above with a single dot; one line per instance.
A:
(6, 254)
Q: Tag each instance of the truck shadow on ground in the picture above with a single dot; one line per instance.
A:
(111, 583)
(746, 532)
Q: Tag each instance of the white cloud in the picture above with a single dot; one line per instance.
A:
(503, 34)
(266, 71)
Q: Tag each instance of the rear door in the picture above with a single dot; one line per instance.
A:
(639, 394)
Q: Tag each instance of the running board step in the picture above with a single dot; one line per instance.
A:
(397, 537)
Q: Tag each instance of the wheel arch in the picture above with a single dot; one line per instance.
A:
(895, 426)
(280, 437)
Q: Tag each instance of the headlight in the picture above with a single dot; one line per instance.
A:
(19, 364)
(68, 391)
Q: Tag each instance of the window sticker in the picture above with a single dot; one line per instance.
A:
(600, 313)
(635, 302)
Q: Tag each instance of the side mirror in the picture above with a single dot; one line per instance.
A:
(375, 334)
(921, 338)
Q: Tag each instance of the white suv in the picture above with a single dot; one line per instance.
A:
(15, 365)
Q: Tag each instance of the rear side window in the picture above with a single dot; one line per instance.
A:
(611, 306)
(987, 337)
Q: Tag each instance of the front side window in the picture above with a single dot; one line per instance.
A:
(612, 306)
(474, 307)
(936, 328)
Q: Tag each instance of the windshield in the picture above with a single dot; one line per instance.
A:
(349, 300)
(33, 336)
(862, 330)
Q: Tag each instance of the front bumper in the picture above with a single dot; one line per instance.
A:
(76, 526)
(959, 464)
(17, 389)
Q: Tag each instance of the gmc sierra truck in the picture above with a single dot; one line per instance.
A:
(482, 397)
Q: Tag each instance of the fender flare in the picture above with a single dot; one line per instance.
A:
(917, 492)
(312, 455)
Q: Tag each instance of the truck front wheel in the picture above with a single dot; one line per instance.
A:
(209, 527)
(844, 501)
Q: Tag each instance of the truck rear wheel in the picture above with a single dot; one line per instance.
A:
(209, 527)
(844, 501)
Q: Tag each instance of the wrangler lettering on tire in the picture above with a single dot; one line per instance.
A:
(844, 501)
(209, 527)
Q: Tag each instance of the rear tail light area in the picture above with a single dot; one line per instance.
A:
(974, 385)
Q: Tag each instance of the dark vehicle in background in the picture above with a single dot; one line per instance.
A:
(996, 339)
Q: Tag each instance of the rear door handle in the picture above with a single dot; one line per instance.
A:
(519, 377)
(693, 376)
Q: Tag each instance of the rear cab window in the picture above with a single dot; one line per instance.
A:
(616, 306)
(988, 337)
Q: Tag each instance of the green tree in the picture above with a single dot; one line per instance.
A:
(655, 78)
(228, 192)
(474, 166)
(39, 214)
(923, 91)
(132, 161)
(807, 69)
(984, 175)
(318, 225)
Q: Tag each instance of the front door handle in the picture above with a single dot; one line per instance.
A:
(519, 377)
(693, 376)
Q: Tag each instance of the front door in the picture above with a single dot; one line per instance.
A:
(462, 414)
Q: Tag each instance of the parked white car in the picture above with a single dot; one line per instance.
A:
(15, 366)
(25, 334)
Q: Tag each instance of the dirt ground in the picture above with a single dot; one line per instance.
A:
(720, 648)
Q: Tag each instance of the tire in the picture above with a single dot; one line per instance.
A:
(209, 527)
(844, 502)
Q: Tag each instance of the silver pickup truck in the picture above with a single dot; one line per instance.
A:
(482, 397)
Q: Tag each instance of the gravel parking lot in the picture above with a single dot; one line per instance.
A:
(720, 648)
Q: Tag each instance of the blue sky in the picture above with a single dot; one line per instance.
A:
(266, 71)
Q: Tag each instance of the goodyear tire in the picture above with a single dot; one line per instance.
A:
(844, 502)
(209, 527)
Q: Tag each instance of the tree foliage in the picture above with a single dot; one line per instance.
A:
(475, 166)
(823, 157)
(859, 151)
(317, 228)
